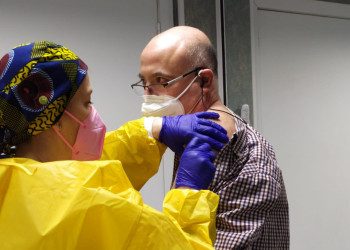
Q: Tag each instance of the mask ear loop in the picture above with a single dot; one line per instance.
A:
(74, 151)
(200, 97)
(65, 140)
(189, 85)
(75, 119)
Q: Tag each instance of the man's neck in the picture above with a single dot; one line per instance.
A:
(226, 119)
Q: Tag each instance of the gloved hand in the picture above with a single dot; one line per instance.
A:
(177, 131)
(196, 169)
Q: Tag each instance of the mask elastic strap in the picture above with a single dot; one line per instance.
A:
(189, 85)
(74, 118)
(65, 140)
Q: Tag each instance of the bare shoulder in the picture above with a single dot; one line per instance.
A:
(227, 121)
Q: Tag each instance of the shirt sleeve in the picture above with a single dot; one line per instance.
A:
(139, 153)
(248, 203)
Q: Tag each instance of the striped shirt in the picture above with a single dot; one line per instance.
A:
(253, 207)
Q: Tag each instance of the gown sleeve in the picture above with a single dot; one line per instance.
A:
(92, 205)
(140, 154)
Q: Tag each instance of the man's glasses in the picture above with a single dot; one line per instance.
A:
(139, 88)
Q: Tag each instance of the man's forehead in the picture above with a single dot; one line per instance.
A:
(164, 54)
(167, 42)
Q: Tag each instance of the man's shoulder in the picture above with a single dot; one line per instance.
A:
(248, 153)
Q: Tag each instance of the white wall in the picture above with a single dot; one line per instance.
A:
(302, 79)
(108, 35)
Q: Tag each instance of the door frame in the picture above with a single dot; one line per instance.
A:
(313, 8)
(219, 42)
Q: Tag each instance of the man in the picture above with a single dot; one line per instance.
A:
(179, 76)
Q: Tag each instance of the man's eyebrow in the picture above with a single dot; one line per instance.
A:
(158, 73)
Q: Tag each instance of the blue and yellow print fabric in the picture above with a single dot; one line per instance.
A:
(37, 80)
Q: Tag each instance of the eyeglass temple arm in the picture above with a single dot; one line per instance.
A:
(135, 84)
(172, 81)
(178, 78)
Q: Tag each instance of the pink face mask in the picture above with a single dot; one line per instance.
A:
(89, 141)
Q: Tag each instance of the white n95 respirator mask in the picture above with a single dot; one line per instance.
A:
(164, 105)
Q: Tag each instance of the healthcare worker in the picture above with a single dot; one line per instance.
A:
(58, 192)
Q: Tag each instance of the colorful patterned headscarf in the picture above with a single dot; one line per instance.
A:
(37, 81)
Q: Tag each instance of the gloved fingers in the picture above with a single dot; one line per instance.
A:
(205, 150)
(212, 124)
(200, 147)
(195, 143)
(212, 156)
(196, 169)
(212, 142)
(207, 115)
(212, 132)
(198, 177)
(203, 147)
(179, 130)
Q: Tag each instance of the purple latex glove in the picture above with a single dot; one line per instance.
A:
(177, 131)
(196, 169)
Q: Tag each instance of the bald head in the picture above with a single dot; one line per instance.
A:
(189, 44)
(185, 33)
(177, 52)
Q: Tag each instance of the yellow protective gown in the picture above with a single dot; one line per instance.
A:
(93, 205)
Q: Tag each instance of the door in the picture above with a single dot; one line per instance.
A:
(302, 98)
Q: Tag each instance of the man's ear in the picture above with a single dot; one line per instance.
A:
(206, 76)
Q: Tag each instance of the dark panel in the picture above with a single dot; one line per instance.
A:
(202, 15)
(238, 55)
